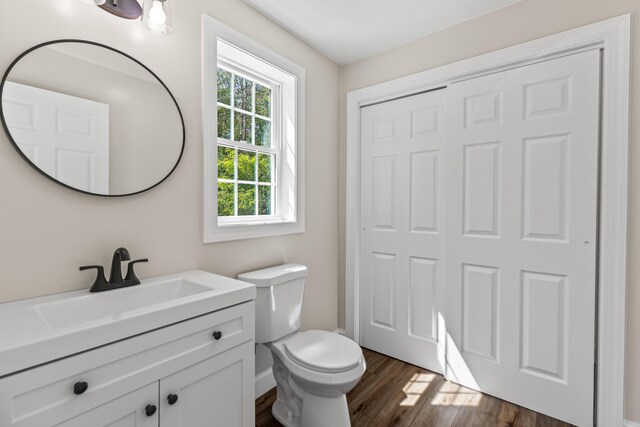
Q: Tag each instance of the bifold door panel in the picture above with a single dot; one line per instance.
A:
(402, 178)
(479, 241)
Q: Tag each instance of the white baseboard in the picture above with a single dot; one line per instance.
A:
(631, 424)
(264, 382)
(340, 331)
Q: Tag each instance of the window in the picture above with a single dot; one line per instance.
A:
(253, 111)
(246, 155)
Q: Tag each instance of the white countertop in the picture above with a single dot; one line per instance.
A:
(27, 339)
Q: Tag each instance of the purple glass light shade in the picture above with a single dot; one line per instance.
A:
(127, 9)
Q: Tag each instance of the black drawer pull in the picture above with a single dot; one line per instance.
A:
(80, 387)
(217, 335)
(172, 399)
(150, 410)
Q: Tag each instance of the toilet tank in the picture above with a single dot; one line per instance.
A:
(279, 300)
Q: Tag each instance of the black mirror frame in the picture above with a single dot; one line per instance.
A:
(41, 172)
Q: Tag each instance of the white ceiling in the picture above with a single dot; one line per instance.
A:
(349, 30)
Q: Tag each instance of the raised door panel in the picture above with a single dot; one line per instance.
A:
(126, 411)
(544, 324)
(215, 392)
(385, 200)
(425, 121)
(483, 109)
(480, 311)
(547, 97)
(423, 298)
(482, 189)
(424, 191)
(546, 190)
(383, 295)
(75, 168)
(19, 114)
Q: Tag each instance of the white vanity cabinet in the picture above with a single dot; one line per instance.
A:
(126, 411)
(211, 392)
(205, 364)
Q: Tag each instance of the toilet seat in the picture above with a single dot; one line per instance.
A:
(323, 351)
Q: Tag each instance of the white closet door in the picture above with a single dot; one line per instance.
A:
(522, 187)
(402, 220)
(65, 136)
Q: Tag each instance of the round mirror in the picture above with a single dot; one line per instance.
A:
(91, 118)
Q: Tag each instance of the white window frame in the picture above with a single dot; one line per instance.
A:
(241, 55)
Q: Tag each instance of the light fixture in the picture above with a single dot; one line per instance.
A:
(156, 17)
(127, 9)
(156, 14)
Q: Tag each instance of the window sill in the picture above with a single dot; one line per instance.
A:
(227, 230)
(249, 221)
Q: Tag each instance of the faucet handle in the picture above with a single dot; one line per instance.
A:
(100, 284)
(131, 278)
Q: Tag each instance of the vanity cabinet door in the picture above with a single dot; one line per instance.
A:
(218, 391)
(136, 409)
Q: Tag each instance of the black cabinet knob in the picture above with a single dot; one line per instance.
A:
(80, 387)
(217, 335)
(172, 399)
(150, 410)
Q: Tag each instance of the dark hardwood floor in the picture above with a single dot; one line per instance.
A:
(394, 393)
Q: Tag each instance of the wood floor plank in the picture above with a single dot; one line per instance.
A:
(375, 361)
(526, 418)
(507, 414)
(414, 388)
(265, 401)
(546, 421)
(444, 407)
(270, 422)
(435, 416)
(394, 393)
(440, 408)
(360, 420)
(478, 410)
(372, 399)
(264, 418)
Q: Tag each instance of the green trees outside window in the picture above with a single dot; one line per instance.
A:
(246, 163)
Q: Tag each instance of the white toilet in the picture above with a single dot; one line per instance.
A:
(313, 369)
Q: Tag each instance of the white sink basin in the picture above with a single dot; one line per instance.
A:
(115, 304)
(38, 330)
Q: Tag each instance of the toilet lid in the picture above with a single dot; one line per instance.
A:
(323, 351)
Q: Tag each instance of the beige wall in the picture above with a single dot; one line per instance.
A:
(47, 231)
(528, 20)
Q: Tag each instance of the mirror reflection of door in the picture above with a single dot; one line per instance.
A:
(91, 118)
(65, 136)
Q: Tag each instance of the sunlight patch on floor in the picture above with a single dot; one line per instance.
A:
(415, 388)
(451, 394)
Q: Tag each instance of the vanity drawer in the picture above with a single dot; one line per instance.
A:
(44, 396)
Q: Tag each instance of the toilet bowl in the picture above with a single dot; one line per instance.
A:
(314, 369)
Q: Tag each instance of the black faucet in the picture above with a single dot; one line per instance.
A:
(121, 254)
(115, 279)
